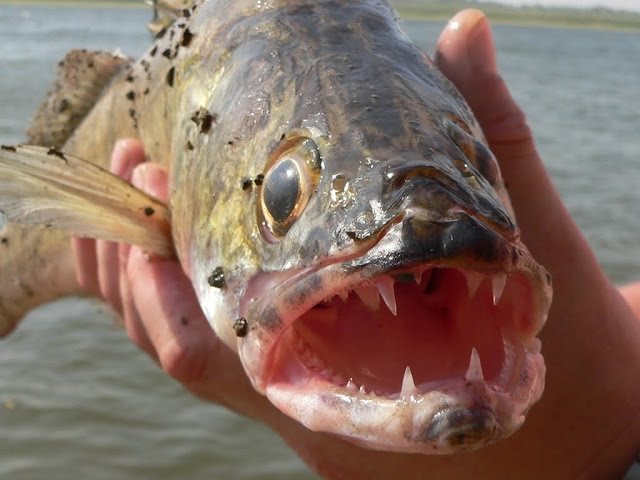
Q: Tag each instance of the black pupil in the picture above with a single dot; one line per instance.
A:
(281, 190)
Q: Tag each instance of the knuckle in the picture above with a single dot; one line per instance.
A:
(185, 362)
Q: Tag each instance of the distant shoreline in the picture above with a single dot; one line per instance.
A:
(437, 12)
(524, 22)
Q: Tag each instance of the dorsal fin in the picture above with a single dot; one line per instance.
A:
(165, 12)
(82, 76)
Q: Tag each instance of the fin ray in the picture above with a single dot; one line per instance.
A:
(41, 186)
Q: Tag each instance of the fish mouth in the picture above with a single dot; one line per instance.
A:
(431, 357)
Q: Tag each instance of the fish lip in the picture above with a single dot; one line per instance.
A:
(258, 352)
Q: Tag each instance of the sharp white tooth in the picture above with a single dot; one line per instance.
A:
(370, 297)
(362, 390)
(417, 276)
(498, 282)
(385, 286)
(408, 386)
(474, 372)
(474, 279)
(351, 386)
(344, 295)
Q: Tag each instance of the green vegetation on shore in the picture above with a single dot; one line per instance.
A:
(441, 10)
(543, 16)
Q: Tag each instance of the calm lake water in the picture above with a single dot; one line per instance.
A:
(78, 401)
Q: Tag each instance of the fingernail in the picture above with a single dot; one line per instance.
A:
(481, 48)
(139, 177)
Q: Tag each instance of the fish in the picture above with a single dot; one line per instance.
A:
(332, 199)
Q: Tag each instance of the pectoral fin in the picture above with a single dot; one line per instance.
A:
(43, 186)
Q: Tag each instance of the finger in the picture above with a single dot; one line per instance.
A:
(113, 258)
(136, 331)
(108, 274)
(466, 55)
(127, 154)
(186, 346)
(86, 264)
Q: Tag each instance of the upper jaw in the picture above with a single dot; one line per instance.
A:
(473, 406)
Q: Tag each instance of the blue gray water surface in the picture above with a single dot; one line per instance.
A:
(78, 401)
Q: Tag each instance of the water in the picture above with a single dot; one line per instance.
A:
(77, 400)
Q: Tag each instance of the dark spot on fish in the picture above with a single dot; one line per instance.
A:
(282, 137)
(189, 145)
(161, 33)
(187, 36)
(56, 153)
(146, 91)
(148, 211)
(131, 95)
(246, 183)
(230, 142)
(186, 13)
(216, 279)
(153, 51)
(167, 53)
(241, 326)
(132, 113)
(90, 64)
(204, 119)
(171, 76)
(207, 122)
(8, 148)
(130, 78)
(184, 321)
(171, 34)
(351, 234)
(63, 105)
(259, 179)
(4, 241)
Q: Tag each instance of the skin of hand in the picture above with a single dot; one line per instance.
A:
(587, 424)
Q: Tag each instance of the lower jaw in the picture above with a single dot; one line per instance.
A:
(440, 417)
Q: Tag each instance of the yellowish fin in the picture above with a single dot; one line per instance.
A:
(43, 186)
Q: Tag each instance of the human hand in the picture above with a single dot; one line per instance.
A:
(586, 423)
(156, 302)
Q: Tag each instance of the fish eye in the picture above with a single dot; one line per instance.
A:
(287, 187)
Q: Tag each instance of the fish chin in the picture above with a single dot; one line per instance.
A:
(430, 358)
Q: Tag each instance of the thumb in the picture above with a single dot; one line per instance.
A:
(466, 55)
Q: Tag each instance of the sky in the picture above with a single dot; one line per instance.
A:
(633, 5)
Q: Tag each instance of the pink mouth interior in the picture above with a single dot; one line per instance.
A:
(438, 323)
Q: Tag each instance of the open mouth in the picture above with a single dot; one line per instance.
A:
(412, 345)
(429, 358)
(402, 334)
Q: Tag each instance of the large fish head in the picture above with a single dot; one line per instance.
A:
(376, 286)
(407, 317)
